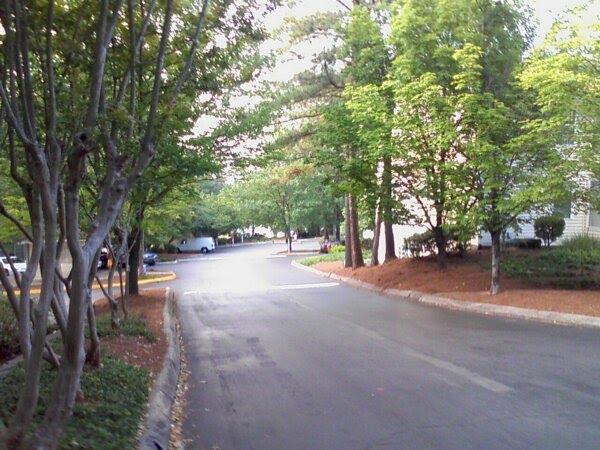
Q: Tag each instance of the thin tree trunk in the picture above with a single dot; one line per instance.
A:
(440, 243)
(495, 288)
(92, 356)
(357, 257)
(390, 245)
(386, 203)
(376, 235)
(134, 263)
(348, 232)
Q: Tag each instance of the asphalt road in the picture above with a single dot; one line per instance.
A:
(283, 359)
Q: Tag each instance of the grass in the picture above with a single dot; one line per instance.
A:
(109, 418)
(329, 257)
(133, 326)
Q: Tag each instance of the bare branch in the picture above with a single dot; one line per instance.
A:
(15, 221)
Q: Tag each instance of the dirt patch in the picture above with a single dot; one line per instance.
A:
(137, 350)
(467, 279)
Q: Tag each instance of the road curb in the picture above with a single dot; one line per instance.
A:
(162, 397)
(169, 276)
(488, 309)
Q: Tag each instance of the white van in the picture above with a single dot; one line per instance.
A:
(196, 244)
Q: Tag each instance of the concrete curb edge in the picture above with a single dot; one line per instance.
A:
(162, 397)
(512, 312)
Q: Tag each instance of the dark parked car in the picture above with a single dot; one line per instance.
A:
(150, 258)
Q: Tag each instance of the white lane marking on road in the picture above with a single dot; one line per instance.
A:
(473, 377)
(286, 287)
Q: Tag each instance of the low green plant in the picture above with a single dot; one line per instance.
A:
(549, 228)
(337, 249)
(583, 242)
(329, 257)
(133, 326)
(115, 401)
(574, 266)
(9, 330)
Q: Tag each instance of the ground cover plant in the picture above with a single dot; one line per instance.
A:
(335, 255)
(109, 415)
(574, 265)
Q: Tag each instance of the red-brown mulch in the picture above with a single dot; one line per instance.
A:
(137, 350)
(465, 279)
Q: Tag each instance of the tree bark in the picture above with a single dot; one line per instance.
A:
(376, 235)
(440, 243)
(386, 203)
(347, 232)
(134, 264)
(495, 287)
(92, 356)
(357, 257)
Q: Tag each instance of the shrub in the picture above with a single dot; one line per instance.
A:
(337, 249)
(570, 266)
(582, 242)
(366, 243)
(549, 228)
(170, 248)
(9, 330)
(526, 243)
(419, 243)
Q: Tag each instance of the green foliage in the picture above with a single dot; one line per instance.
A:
(133, 326)
(419, 244)
(575, 265)
(563, 76)
(582, 242)
(115, 401)
(549, 228)
(329, 257)
(337, 249)
(525, 243)
(9, 330)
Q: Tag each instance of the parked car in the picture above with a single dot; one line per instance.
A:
(150, 258)
(196, 244)
(19, 264)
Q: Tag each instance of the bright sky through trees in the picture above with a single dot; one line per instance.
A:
(545, 12)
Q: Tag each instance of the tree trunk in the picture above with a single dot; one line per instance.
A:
(92, 356)
(390, 245)
(134, 264)
(495, 288)
(357, 257)
(440, 243)
(347, 232)
(376, 235)
(288, 238)
(386, 203)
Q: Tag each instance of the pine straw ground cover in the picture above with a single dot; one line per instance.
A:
(111, 411)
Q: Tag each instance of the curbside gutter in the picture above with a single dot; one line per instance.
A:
(489, 309)
(158, 421)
